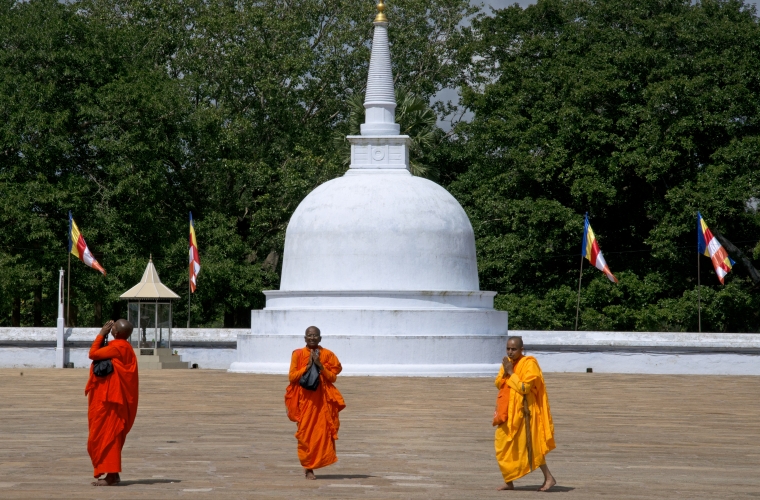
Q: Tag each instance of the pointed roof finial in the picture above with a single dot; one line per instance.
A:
(380, 98)
(380, 17)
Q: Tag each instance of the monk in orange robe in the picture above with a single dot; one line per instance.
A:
(315, 411)
(112, 401)
(520, 379)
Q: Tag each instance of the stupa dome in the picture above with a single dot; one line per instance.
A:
(379, 230)
(382, 262)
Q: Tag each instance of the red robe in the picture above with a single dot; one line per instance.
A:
(316, 412)
(112, 404)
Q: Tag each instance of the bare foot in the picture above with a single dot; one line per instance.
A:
(507, 486)
(111, 479)
(548, 483)
(310, 474)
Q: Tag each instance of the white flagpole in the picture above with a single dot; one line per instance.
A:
(699, 294)
(578, 305)
(60, 357)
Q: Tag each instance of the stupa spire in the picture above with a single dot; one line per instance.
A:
(380, 148)
(380, 99)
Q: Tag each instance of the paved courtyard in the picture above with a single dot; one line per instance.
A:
(212, 434)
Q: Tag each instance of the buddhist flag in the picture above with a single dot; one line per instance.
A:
(78, 247)
(708, 245)
(591, 251)
(195, 259)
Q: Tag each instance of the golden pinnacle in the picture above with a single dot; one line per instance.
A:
(380, 18)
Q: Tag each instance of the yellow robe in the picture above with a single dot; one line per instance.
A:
(510, 440)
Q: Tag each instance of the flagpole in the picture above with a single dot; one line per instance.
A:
(699, 294)
(68, 291)
(189, 294)
(68, 277)
(578, 305)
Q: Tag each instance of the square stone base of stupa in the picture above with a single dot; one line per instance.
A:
(423, 342)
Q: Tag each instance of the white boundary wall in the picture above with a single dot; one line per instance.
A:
(557, 351)
(210, 348)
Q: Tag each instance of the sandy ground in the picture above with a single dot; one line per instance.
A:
(212, 434)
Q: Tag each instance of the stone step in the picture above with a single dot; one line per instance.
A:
(164, 366)
(159, 359)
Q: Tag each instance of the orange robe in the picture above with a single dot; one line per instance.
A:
(316, 412)
(112, 404)
(510, 441)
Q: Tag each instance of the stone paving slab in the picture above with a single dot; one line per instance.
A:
(208, 434)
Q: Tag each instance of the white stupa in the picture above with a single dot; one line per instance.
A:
(382, 262)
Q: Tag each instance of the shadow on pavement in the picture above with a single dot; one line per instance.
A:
(553, 489)
(148, 481)
(343, 476)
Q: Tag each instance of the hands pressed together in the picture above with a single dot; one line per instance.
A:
(508, 367)
(106, 329)
(314, 359)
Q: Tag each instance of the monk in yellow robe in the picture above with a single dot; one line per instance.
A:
(315, 411)
(111, 401)
(520, 380)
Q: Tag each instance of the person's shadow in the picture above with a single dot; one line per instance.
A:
(148, 481)
(553, 489)
(343, 476)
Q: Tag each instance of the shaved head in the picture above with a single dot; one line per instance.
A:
(122, 329)
(313, 337)
(514, 348)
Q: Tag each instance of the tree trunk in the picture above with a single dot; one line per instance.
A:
(98, 314)
(116, 311)
(243, 318)
(37, 310)
(16, 312)
(73, 316)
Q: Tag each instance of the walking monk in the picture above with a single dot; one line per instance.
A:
(315, 409)
(112, 401)
(522, 397)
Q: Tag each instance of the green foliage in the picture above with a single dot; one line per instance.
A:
(133, 113)
(639, 113)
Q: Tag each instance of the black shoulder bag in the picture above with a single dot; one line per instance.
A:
(102, 367)
(310, 379)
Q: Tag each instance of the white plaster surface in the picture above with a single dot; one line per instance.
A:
(640, 339)
(209, 347)
(378, 299)
(45, 357)
(48, 334)
(605, 352)
(372, 322)
(382, 262)
(379, 152)
(380, 99)
(413, 355)
(379, 232)
(700, 363)
(532, 337)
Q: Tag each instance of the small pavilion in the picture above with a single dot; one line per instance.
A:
(149, 309)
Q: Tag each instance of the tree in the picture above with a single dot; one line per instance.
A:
(639, 113)
(133, 113)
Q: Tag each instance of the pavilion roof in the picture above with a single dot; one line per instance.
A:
(149, 287)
